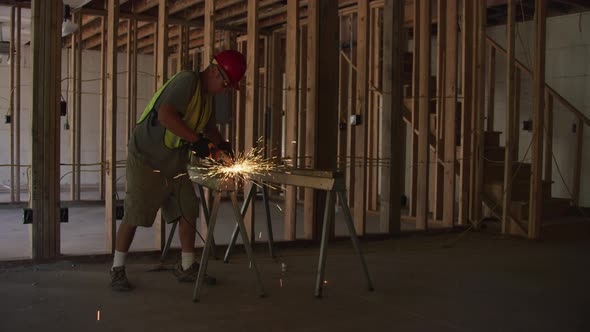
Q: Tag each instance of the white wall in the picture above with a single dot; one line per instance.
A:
(568, 72)
(90, 112)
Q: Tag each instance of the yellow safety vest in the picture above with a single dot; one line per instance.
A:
(195, 117)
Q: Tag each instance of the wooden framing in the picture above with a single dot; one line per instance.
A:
(516, 138)
(414, 122)
(548, 155)
(277, 67)
(479, 109)
(491, 76)
(17, 103)
(111, 126)
(302, 111)
(251, 114)
(322, 31)
(350, 107)
(102, 109)
(46, 17)
(311, 55)
(13, 192)
(511, 109)
(78, 106)
(291, 112)
(450, 112)
(361, 111)
(393, 50)
(423, 115)
(208, 32)
(578, 163)
(437, 184)
(466, 110)
(373, 113)
(73, 114)
(536, 194)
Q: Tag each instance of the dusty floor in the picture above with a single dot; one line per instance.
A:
(482, 283)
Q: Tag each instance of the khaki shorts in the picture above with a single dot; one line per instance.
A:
(147, 191)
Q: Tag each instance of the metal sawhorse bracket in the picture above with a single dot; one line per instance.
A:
(218, 186)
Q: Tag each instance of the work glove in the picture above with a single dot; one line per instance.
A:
(202, 147)
(225, 147)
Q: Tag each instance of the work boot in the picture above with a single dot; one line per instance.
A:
(119, 280)
(190, 274)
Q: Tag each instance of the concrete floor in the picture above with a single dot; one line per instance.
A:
(482, 283)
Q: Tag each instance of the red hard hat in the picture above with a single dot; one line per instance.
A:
(233, 64)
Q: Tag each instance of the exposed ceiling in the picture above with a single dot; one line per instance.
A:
(229, 15)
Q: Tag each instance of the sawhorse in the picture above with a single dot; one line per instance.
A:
(334, 184)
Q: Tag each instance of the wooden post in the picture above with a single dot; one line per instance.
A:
(208, 32)
(278, 63)
(423, 116)
(17, 102)
(414, 124)
(78, 105)
(360, 135)
(11, 105)
(111, 125)
(516, 136)
(536, 195)
(393, 50)
(310, 210)
(548, 169)
(46, 17)
(350, 134)
(73, 114)
(134, 76)
(129, 83)
(479, 107)
(292, 106)
(440, 130)
(162, 77)
(302, 110)
(373, 112)
(156, 79)
(450, 113)
(251, 116)
(325, 76)
(578, 162)
(466, 112)
(491, 87)
(510, 110)
(102, 108)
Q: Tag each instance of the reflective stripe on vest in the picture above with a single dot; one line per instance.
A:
(195, 116)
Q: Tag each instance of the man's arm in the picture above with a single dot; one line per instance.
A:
(212, 132)
(171, 120)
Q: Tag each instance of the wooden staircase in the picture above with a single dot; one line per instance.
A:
(559, 218)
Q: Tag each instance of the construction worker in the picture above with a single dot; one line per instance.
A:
(178, 120)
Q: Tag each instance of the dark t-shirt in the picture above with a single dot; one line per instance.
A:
(147, 141)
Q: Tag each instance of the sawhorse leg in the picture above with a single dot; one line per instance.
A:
(234, 236)
(207, 247)
(328, 216)
(173, 229)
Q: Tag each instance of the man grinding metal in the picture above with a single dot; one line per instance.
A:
(179, 120)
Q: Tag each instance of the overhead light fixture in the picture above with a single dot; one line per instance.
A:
(68, 26)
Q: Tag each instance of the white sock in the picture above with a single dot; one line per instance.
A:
(119, 259)
(188, 258)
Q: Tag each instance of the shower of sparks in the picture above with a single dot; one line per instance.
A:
(179, 175)
(279, 207)
(97, 315)
(244, 166)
